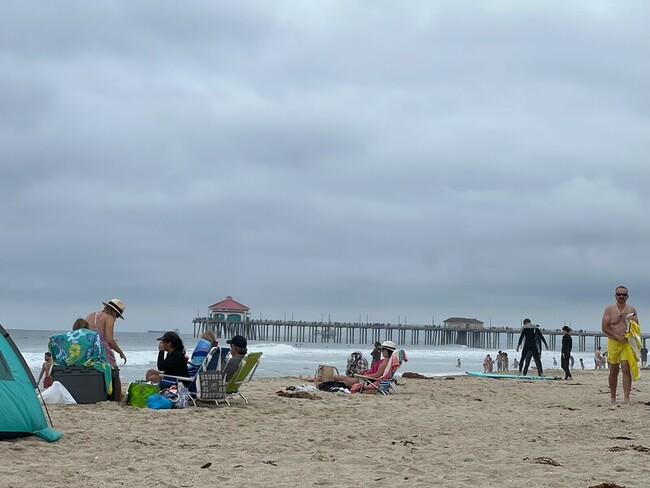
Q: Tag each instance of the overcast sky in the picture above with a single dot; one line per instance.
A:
(396, 160)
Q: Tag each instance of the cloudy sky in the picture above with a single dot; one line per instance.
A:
(396, 160)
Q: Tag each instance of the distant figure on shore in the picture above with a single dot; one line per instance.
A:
(488, 364)
(644, 356)
(567, 345)
(529, 338)
(515, 364)
(504, 361)
(376, 353)
(45, 371)
(458, 363)
(582, 364)
(571, 360)
(618, 349)
(598, 359)
(554, 361)
(103, 322)
(499, 361)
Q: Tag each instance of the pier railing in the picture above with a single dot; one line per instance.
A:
(360, 333)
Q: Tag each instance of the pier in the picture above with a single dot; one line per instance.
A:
(404, 335)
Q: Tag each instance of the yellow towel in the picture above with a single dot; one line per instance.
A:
(633, 345)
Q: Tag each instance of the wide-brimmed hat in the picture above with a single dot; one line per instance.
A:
(566, 328)
(117, 305)
(388, 345)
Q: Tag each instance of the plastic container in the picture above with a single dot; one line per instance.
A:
(86, 385)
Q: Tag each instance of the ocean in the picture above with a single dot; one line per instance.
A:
(282, 359)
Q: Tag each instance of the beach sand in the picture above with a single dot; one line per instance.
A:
(448, 432)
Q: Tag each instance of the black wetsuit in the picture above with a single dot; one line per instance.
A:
(567, 345)
(529, 337)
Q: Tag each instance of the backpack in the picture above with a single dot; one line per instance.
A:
(139, 391)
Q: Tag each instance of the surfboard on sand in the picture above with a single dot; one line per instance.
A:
(510, 376)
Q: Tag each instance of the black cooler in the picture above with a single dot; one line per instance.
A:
(86, 385)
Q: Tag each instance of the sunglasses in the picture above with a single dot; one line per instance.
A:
(621, 294)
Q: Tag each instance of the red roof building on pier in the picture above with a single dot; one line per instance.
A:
(229, 309)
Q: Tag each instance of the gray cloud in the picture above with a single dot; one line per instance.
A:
(480, 159)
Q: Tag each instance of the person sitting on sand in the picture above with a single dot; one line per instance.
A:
(207, 341)
(375, 371)
(173, 363)
(357, 364)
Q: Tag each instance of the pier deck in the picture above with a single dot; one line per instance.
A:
(360, 333)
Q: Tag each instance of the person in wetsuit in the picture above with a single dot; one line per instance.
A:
(567, 345)
(530, 335)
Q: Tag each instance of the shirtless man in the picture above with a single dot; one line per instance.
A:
(614, 327)
(103, 322)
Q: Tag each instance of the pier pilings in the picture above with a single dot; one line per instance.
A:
(403, 335)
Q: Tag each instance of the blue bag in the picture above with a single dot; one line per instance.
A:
(158, 402)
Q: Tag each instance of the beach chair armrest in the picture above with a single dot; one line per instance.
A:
(181, 378)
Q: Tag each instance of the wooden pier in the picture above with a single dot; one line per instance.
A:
(403, 335)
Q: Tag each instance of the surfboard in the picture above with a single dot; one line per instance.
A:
(510, 376)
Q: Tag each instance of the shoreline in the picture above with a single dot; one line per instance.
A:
(451, 431)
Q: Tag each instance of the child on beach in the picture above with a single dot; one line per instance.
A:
(45, 371)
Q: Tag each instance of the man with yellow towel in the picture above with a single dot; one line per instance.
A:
(621, 325)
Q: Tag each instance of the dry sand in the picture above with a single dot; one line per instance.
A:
(446, 432)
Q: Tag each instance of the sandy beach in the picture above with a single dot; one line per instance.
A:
(448, 431)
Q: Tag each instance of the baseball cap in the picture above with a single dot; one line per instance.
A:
(238, 341)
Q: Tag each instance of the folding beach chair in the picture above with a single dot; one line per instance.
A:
(208, 385)
(385, 382)
(244, 374)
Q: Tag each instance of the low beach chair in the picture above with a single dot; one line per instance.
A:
(208, 385)
(386, 381)
(244, 374)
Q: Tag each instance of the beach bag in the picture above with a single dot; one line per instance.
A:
(139, 391)
(178, 395)
(332, 386)
(325, 373)
(159, 402)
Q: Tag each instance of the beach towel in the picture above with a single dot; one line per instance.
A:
(198, 355)
(81, 347)
(633, 346)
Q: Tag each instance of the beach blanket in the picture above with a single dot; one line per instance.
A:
(633, 346)
(82, 347)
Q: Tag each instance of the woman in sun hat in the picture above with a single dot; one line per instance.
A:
(104, 323)
(375, 371)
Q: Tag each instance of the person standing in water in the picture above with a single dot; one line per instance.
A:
(567, 345)
(614, 327)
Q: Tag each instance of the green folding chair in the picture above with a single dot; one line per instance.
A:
(244, 374)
